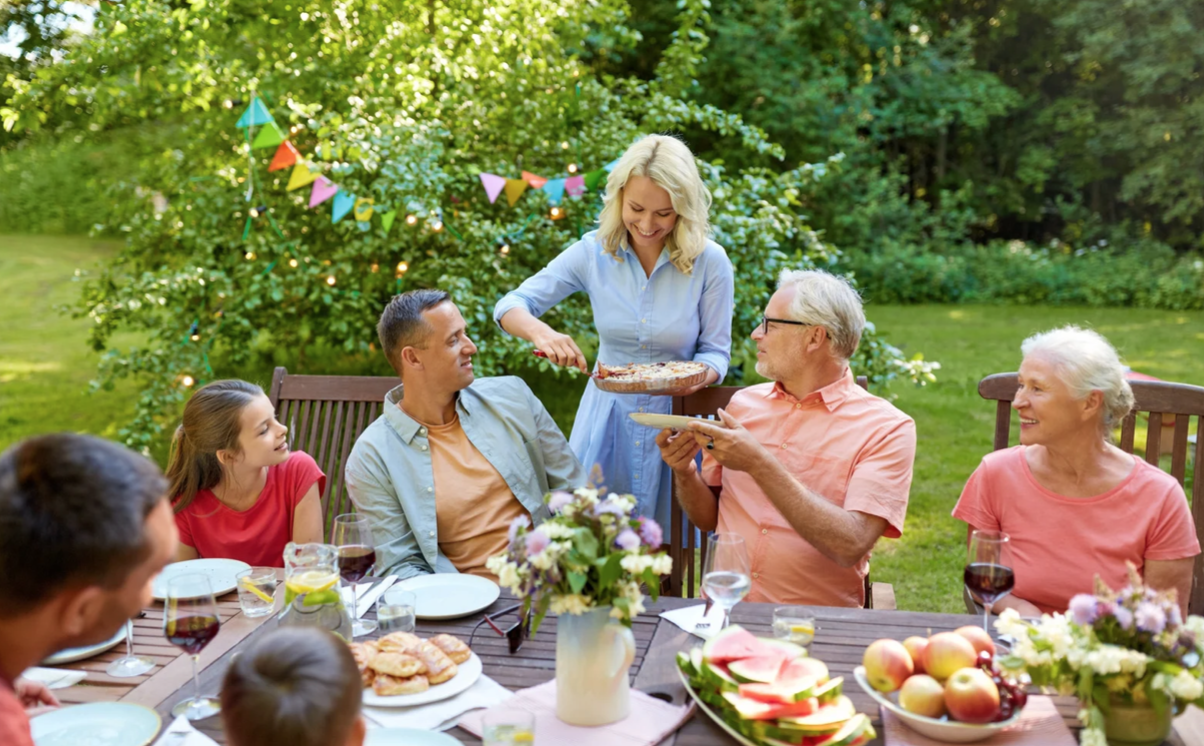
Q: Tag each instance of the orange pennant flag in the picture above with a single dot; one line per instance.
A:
(286, 155)
(535, 181)
(514, 189)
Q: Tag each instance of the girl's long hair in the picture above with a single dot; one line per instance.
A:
(212, 422)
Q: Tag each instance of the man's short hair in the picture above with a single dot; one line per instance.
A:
(401, 324)
(73, 511)
(827, 300)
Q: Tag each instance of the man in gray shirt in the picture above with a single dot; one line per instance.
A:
(452, 461)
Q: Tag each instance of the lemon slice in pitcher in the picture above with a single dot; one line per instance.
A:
(310, 581)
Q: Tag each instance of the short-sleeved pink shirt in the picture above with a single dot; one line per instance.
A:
(1059, 544)
(851, 447)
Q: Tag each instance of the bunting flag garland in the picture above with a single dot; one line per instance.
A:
(555, 190)
(364, 209)
(386, 220)
(594, 178)
(514, 190)
(269, 137)
(536, 182)
(611, 166)
(300, 177)
(256, 114)
(493, 186)
(575, 186)
(343, 202)
(286, 155)
(322, 191)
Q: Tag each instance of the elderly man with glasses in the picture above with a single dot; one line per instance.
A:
(810, 469)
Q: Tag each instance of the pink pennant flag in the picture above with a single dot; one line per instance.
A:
(322, 191)
(493, 185)
(575, 185)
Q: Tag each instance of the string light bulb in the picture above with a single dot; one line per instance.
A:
(556, 213)
(292, 263)
(437, 226)
(572, 168)
(401, 268)
(375, 268)
(505, 249)
(187, 381)
(330, 280)
(411, 220)
(564, 145)
(250, 255)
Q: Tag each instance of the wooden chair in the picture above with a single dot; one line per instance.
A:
(325, 415)
(1156, 399)
(684, 540)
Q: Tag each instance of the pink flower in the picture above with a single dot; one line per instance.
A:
(1124, 617)
(559, 500)
(650, 532)
(1150, 618)
(610, 506)
(1083, 609)
(627, 540)
(537, 541)
(521, 521)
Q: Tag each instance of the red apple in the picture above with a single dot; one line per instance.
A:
(979, 638)
(923, 695)
(887, 664)
(971, 696)
(915, 645)
(946, 653)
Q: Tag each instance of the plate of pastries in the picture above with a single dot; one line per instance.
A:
(401, 669)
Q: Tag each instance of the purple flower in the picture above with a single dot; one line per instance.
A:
(650, 532)
(521, 521)
(1175, 617)
(610, 506)
(537, 541)
(1150, 618)
(560, 498)
(1124, 617)
(1082, 608)
(627, 540)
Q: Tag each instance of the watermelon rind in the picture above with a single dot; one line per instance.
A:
(789, 649)
(857, 726)
(783, 693)
(825, 720)
(830, 691)
(716, 675)
(763, 669)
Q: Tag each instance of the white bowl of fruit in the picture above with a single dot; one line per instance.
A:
(946, 687)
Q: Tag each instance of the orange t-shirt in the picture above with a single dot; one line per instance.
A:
(14, 723)
(851, 447)
(473, 504)
(1059, 544)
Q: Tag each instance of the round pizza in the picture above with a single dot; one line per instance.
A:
(642, 378)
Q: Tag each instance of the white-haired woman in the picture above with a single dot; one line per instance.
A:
(1074, 504)
(659, 289)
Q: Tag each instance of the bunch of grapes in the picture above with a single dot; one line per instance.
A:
(1011, 694)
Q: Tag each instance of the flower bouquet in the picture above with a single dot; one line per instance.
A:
(1121, 652)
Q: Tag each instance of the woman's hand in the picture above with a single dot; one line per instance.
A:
(712, 377)
(560, 349)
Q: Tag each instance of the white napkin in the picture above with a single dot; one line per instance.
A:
(365, 602)
(441, 715)
(181, 733)
(55, 678)
(689, 617)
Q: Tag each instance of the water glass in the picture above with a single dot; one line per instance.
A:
(256, 591)
(395, 612)
(794, 624)
(502, 727)
(725, 575)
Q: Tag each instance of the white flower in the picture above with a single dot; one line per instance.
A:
(505, 570)
(570, 603)
(662, 564)
(555, 530)
(636, 564)
(543, 561)
(1185, 686)
(1195, 625)
(1092, 737)
(1010, 623)
(590, 495)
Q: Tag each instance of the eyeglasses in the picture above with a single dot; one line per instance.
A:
(514, 634)
(765, 323)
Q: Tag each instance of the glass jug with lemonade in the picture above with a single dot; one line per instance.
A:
(312, 588)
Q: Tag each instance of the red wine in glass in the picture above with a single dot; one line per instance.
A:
(355, 562)
(357, 558)
(192, 633)
(989, 582)
(190, 622)
(988, 573)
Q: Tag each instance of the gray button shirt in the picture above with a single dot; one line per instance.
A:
(391, 481)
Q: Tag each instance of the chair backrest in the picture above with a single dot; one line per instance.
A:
(1162, 402)
(325, 415)
(684, 541)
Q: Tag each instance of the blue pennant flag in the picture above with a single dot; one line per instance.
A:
(611, 166)
(555, 190)
(255, 115)
(343, 202)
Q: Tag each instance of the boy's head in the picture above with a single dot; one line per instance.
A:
(298, 686)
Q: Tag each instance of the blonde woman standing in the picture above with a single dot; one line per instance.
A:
(659, 290)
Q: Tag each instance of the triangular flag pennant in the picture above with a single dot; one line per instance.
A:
(343, 202)
(322, 191)
(594, 178)
(364, 209)
(514, 189)
(555, 191)
(255, 115)
(300, 177)
(535, 181)
(386, 220)
(269, 137)
(286, 155)
(493, 185)
(611, 166)
(575, 186)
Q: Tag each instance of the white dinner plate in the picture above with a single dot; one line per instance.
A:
(96, 724)
(466, 675)
(669, 421)
(221, 573)
(408, 737)
(715, 717)
(71, 655)
(448, 595)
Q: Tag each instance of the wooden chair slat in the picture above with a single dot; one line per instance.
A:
(1003, 424)
(1179, 448)
(302, 428)
(1153, 438)
(315, 419)
(1128, 429)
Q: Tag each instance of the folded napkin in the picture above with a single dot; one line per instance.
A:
(54, 678)
(650, 720)
(1039, 724)
(441, 715)
(689, 617)
(181, 733)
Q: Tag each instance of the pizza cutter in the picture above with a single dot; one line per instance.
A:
(603, 372)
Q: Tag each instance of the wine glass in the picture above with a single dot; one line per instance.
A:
(989, 576)
(357, 558)
(190, 622)
(129, 664)
(725, 578)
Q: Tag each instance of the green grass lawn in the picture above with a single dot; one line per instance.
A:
(45, 367)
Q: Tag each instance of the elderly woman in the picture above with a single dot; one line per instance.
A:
(1074, 505)
(660, 290)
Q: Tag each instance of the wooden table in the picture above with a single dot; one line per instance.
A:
(840, 638)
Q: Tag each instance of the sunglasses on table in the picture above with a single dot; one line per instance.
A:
(514, 632)
(766, 321)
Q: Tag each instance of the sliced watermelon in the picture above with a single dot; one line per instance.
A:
(787, 692)
(716, 675)
(685, 664)
(804, 667)
(788, 650)
(763, 668)
(731, 644)
(827, 720)
(828, 692)
(854, 731)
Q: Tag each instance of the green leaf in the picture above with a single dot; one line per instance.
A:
(586, 543)
(577, 581)
(609, 572)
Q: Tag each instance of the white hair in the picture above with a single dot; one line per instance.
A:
(826, 300)
(1086, 362)
(670, 164)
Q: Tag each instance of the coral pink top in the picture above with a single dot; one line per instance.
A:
(14, 723)
(1059, 544)
(258, 535)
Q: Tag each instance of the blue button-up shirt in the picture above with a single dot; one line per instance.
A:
(391, 481)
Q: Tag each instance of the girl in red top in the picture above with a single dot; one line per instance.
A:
(238, 491)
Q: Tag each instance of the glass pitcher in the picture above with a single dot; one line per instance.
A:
(312, 589)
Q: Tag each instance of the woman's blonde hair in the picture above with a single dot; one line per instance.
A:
(1086, 362)
(670, 164)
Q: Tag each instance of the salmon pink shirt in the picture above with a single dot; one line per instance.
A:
(1059, 544)
(257, 535)
(14, 723)
(849, 446)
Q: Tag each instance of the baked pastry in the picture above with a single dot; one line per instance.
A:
(439, 668)
(399, 642)
(643, 377)
(390, 686)
(455, 649)
(401, 665)
(363, 653)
